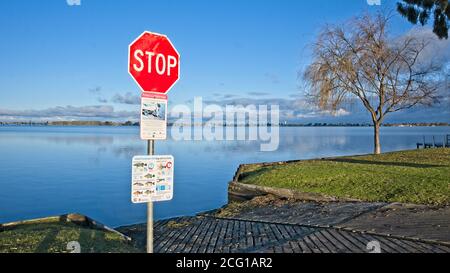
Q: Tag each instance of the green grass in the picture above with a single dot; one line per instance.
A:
(419, 176)
(52, 236)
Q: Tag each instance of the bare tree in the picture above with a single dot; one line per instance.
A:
(359, 60)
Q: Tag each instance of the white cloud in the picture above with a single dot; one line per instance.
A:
(69, 113)
(438, 50)
(127, 98)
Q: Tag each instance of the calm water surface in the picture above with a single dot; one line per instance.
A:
(55, 170)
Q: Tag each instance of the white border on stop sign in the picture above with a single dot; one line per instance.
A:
(129, 54)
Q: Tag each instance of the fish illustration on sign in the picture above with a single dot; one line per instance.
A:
(152, 179)
(137, 192)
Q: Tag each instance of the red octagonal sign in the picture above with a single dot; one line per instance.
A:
(153, 62)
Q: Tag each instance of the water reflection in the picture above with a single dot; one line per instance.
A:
(73, 140)
(50, 171)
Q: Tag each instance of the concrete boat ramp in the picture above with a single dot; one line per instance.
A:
(281, 226)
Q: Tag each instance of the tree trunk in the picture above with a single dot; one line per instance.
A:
(376, 137)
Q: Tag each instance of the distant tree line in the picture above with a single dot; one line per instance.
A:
(130, 123)
(71, 123)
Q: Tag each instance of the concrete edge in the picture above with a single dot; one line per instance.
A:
(237, 190)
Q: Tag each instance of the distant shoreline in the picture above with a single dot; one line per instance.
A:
(136, 124)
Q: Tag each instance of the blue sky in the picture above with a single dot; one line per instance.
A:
(54, 55)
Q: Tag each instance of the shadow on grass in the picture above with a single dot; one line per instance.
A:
(381, 163)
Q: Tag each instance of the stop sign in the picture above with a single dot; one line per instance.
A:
(153, 62)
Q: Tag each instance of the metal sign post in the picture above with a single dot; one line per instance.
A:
(150, 151)
(152, 176)
(152, 181)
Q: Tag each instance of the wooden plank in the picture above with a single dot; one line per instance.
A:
(435, 248)
(208, 233)
(300, 234)
(263, 238)
(186, 244)
(386, 241)
(173, 242)
(160, 223)
(241, 244)
(290, 231)
(213, 241)
(429, 248)
(162, 232)
(334, 241)
(352, 248)
(236, 236)
(256, 235)
(325, 242)
(407, 247)
(273, 238)
(290, 237)
(418, 247)
(298, 246)
(208, 236)
(445, 249)
(364, 240)
(262, 234)
(250, 241)
(194, 237)
(162, 241)
(386, 245)
(287, 247)
(228, 237)
(276, 239)
(277, 249)
(309, 242)
(221, 237)
(304, 247)
(185, 239)
(276, 232)
(160, 247)
(202, 236)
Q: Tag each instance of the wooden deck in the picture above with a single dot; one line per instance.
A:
(214, 235)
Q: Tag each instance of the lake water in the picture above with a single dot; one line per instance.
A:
(48, 171)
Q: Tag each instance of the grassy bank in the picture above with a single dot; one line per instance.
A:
(51, 236)
(419, 176)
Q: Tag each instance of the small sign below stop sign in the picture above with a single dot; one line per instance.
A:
(153, 62)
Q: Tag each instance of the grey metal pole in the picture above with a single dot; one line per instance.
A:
(150, 151)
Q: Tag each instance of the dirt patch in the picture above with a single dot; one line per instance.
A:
(271, 208)
(175, 224)
(236, 208)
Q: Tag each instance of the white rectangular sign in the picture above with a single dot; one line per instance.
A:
(152, 178)
(153, 117)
